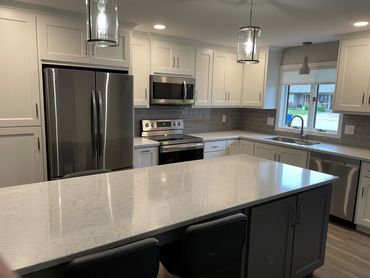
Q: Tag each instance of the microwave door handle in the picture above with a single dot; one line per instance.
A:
(185, 90)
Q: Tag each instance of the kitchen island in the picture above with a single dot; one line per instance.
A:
(45, 225)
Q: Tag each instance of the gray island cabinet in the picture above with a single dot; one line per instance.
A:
(287, 237)
(46, 225)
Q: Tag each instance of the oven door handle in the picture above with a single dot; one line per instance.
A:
(181, 147)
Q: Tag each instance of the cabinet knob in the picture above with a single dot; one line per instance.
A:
(173, 62)
(363, 98)
(146, 93)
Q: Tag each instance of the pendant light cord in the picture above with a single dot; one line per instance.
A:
(250, 14)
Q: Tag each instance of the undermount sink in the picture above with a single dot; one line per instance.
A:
(293, 141)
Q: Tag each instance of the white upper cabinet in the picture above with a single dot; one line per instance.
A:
(170, 58)
(19, 87)
(261, 81)
(62, 39)
(203, 77)
(141, 70)
(113, 56)
(227, 80)
(352, 94)
(20, 156)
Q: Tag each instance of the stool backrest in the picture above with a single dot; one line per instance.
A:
(135, 260)
(214, 245)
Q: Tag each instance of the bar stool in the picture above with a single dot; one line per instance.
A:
(212, 249)
(136, 260)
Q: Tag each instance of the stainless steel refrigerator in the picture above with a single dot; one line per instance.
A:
(89, 120)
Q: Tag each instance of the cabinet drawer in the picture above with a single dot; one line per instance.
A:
(215, 146)
(365, 170)
(214, 154)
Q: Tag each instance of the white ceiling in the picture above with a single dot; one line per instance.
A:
(283, 22)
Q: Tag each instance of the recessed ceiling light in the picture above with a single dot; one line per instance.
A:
(159, 27)
(361, 24)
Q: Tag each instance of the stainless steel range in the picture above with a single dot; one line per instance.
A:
(175, 146)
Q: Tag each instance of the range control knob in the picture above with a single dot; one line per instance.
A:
(146, 124)
(153, 125)
(179, 123)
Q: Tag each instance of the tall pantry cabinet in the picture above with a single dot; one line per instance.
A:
(21, 159)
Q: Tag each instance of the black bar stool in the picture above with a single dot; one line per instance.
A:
(212, 249)
(136, 260)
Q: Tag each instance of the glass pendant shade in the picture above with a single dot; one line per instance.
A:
(248, 43)
(102, 22)
(305, 69)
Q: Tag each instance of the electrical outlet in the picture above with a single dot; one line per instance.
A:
(224, 118)
(270, 121)
(349, 129)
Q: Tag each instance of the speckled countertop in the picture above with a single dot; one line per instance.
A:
(48, 223)
(340, 150)
(140, 142)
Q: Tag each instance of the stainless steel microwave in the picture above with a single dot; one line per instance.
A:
(171, 90)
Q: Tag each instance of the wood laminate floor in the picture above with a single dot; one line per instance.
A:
(347, 255)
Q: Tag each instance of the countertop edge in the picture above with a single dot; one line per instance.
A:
(66, 259)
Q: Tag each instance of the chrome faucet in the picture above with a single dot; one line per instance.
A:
(301, 134)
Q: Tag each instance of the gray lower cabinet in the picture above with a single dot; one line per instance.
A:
(287, 238)
(310, 231)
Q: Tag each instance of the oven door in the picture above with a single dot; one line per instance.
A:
(168, 90)
(180, 153)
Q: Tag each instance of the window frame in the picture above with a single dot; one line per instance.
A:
(283, 104)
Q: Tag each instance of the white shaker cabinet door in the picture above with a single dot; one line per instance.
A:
(203, 77)
(62, 39)
(21, 158)
(266, 151)
(145, 157)
(363, 204)
(141, 71)
(353, 76)
(114, 56)
(19, 86)
(246, 147)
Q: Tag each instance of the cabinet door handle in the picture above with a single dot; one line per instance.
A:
(225, 96)
(37, 111)
(148, 151)
(178, 62)
(260, 96)
(299, 215)
(38, 144)
(368, 101)
(363, 99)
(363, 193)
(293, 217)
(173, 62)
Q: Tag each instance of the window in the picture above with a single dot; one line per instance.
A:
(312, 98)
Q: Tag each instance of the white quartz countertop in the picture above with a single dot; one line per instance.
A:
(140, 142)
(340, 150)
(48, 223)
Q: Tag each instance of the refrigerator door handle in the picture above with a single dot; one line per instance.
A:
(102, 126)
(94, 122)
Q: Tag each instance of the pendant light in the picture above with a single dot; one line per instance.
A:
(248, 43)
(102, 22)
(305, 68)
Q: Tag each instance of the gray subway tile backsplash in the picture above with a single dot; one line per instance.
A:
(210, 119)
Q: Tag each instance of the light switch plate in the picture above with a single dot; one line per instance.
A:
(224, 118)
(349, 129)
(270, 121)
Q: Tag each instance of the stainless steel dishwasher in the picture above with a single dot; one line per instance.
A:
(343, 199)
